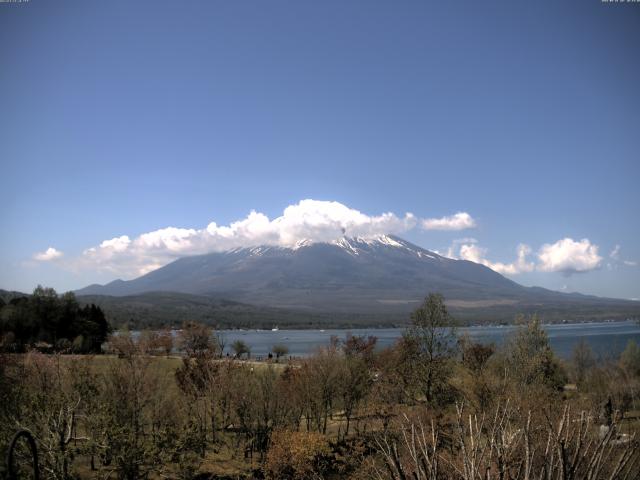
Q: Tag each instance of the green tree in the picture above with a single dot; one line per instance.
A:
(56, 320)
(530, 358)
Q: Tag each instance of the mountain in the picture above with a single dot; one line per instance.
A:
(354, 276)
(347, 274)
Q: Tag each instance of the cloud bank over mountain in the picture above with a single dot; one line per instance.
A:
(317, 221)
(308, 220)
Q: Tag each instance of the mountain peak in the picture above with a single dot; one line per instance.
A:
(355, 245)
(352, 245)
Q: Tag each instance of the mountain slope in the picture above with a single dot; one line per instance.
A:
(350, 275)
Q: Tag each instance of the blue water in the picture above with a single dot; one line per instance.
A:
(606, 339)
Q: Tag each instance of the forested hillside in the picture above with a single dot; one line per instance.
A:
(50, 321)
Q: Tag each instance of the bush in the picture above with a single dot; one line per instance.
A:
(297, 455)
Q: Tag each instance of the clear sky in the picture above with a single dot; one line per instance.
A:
(122, 118)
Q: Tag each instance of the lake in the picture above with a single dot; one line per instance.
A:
(607, 339)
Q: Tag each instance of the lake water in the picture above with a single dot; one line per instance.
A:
(607, 339)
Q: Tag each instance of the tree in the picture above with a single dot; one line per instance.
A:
(506, 444)
(156, 342)
(136, 417)
(280, 350)
(165, 341)
(431, 341)
(96, 328)
(530, 358)
(222, 343)
(197, 378)
(240, 348)
(54, 397)
(354, 385)
(475, 355)
(55, 320)
(357, 345)
(198, 340)
(122, 343)
(476, 382)
(630, 358)
(318, 380)
(355, 377)
(582, 361)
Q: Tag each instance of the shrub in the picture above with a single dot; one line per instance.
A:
(297, 455)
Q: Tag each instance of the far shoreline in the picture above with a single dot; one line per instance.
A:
(381, 326)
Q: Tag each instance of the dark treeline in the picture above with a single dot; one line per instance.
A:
(433, 406)
(170, 309)
(51, 322)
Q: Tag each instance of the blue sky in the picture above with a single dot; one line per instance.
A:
(127, 117)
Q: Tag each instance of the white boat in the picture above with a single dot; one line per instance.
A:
(274, 329)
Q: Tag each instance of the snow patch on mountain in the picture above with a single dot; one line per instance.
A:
(354, 246)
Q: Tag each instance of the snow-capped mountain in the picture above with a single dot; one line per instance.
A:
(353, 274)
(384, 274)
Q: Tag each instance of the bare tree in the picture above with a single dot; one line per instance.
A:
(509, 445)
(431, 341)
(280, 350)
(240, 348)
(197, 340)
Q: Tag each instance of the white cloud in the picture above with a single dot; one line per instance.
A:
(566, 256)
(477, 254)
(472, 252)
(618, 259)
(307, 220)
(118, 244)
(459, 221)
(521, 264)
(569, 256)
(455, 245)
(48, 255)
(615, 253)
(316, 221)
